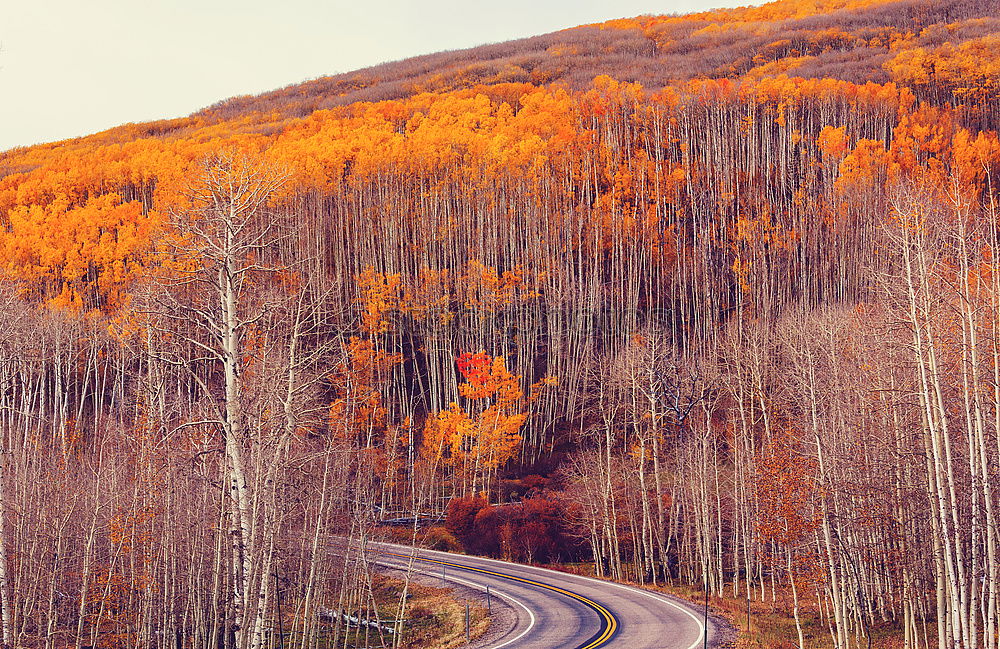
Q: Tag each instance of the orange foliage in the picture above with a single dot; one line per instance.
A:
(475, 446)
(93, 249)
(832, 142)
(379, 295)
(787, 491)
(79, 218)
(970, 70)
(358, 407)
(486, 377)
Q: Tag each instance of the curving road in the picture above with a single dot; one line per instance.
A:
(556, 610)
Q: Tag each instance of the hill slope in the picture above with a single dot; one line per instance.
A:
(841, 39)
(726, 283)
(853, 40)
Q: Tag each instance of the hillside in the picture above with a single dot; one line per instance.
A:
(709, 300)
(852, 40)
(840, 39)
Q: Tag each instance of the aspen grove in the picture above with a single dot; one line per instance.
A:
(743, 327)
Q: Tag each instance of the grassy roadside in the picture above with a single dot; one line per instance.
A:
(770, 624)
(436, 617)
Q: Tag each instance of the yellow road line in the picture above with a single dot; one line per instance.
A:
(609, 621)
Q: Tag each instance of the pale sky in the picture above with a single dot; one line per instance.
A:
(74, 67)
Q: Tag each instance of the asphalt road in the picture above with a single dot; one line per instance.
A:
(556, 610)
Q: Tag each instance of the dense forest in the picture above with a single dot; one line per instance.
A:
(707, 299)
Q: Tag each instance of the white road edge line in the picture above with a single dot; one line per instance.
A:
(527, 610)
(701, 625)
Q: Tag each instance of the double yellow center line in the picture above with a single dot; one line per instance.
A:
(609, 623)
